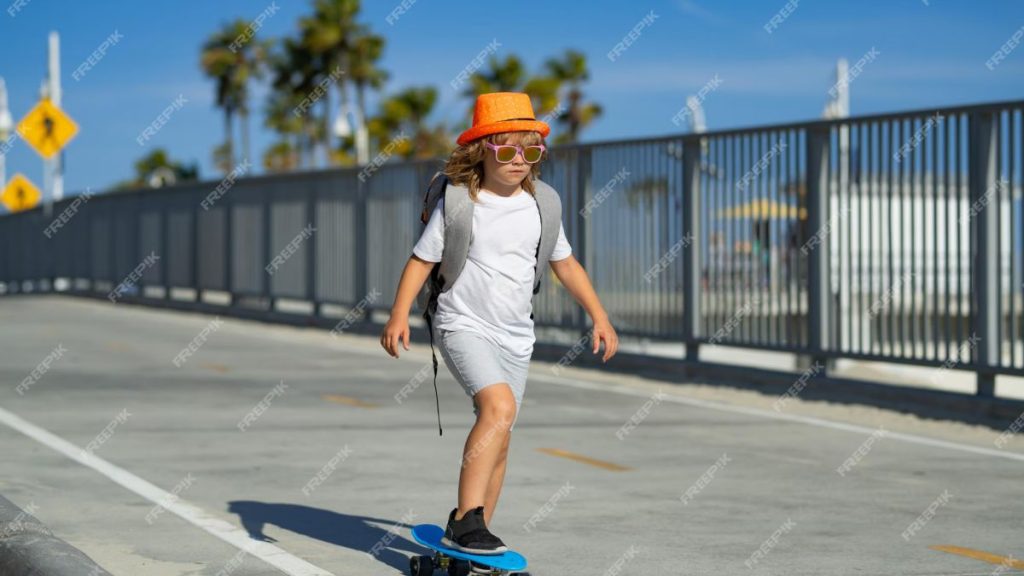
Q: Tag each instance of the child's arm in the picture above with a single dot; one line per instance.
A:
(415, 274)
(575, 279)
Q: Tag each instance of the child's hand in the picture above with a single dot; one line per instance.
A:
(603, 331)
(396, 328)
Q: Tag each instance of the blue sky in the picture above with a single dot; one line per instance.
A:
(929, 54)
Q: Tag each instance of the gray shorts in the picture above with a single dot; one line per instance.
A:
(476, 362)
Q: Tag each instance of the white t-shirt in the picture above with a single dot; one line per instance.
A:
(493, 294)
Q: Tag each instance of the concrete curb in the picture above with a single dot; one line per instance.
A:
(28, 548)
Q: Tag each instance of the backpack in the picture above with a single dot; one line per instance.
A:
(458, 235)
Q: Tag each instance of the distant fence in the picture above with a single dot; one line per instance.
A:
(891, 237)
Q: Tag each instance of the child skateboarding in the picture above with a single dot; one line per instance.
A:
(483, 320)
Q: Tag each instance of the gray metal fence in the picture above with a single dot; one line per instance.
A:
(892, 237)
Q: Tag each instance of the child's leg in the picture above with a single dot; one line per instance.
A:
(494, 487)
(485, 447)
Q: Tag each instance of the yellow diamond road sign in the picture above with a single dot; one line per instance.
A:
(47, 128)
(20, 194)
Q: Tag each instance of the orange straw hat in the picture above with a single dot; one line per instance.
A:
(502, 112)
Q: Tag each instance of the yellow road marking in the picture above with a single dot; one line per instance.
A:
(983, 556)
(348, 401)
(584, 459)
(216, 367)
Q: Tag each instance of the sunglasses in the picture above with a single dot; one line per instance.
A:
(506, 153)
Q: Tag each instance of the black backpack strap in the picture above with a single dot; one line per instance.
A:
(433, 354)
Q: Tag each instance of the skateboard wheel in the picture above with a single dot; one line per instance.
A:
(421, 566)
(458, 567)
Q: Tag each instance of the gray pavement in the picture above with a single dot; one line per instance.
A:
(330, 466)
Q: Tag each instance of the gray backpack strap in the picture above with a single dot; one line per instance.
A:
(458, 232)
(550, 205)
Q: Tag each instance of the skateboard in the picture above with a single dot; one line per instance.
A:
(445, 558)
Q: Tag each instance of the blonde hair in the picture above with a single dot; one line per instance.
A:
(465, 167)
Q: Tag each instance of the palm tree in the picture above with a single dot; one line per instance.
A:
(572, 71)
(364, 73)
(232, 61)
(292, 81)
(401, 124)
(329, 35)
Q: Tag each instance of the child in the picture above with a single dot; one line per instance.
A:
(484, 324)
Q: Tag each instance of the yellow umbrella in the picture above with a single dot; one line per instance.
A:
(764, 208)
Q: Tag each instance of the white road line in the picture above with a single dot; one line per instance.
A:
(809, 420)
(276, 557)
(721, 406)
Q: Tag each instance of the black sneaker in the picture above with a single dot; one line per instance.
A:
(471, 535)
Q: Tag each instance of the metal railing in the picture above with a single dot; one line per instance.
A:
(892, 237)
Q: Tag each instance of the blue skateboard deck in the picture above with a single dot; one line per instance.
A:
(430, 536)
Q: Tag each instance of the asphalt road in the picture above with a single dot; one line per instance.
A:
(277, 450)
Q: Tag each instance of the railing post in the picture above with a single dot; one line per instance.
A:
(267, 288)
(984, 211)
(818, 216)
(691, 243)
(311, 198)
(583, 228)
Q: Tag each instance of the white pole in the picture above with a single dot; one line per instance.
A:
(6, 125)
(56, 164)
